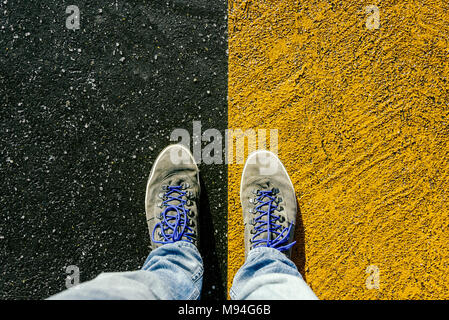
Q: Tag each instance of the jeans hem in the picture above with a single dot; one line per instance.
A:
(266, 251)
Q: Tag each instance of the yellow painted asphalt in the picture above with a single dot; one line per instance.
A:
(360, 97)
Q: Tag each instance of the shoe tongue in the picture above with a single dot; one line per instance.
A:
(172, 212)
(266, 208)
(174, 198)
(268, 203)
(175, 193)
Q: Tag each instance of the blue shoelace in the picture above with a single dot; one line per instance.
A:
(269, 226)
(174, 225)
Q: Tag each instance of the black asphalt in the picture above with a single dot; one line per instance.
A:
(84, 114)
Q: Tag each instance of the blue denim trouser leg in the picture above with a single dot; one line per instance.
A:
(268, 274)
(172, 271)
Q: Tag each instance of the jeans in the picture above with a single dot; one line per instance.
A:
(175, 271)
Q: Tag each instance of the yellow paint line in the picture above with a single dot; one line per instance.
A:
(363, 120)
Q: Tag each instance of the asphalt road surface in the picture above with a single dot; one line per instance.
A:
(84, 113)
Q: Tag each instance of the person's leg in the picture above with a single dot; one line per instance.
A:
(174, 268)
(172, 271)
(269, 212)
(269, 275)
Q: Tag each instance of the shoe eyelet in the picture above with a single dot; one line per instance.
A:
(252, 232)
(281, 219)
(185, 185)
(164, 187)
(190, 213)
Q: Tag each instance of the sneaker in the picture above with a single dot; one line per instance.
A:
(268, 202)
(171, 200)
